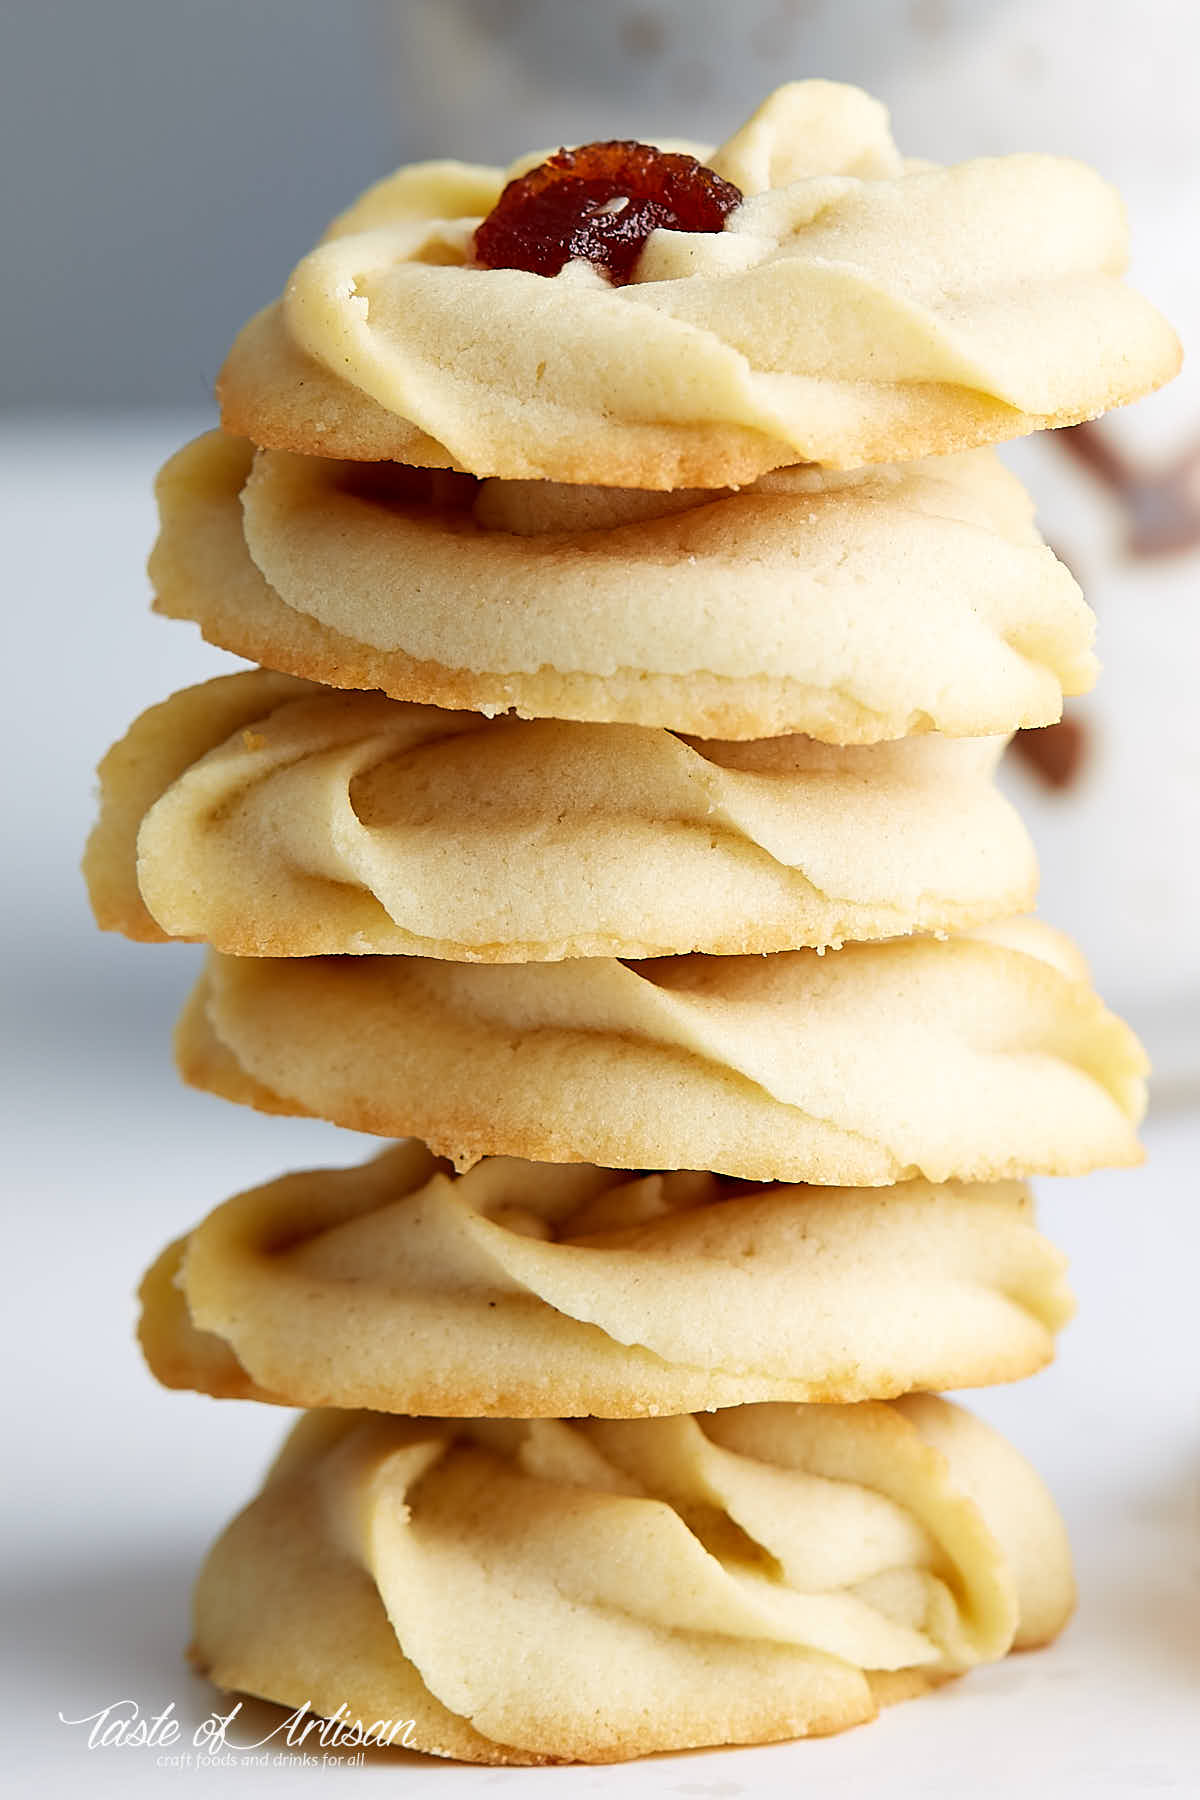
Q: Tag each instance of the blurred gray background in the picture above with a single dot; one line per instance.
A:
(164, 160)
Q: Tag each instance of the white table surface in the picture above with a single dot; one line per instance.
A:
(114, 1486)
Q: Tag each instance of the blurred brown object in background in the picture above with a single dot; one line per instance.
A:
(1160, 502)
(1160, 506)
(1057, 754)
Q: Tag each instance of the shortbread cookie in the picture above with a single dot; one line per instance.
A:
(852, 608)
(852, 310)
(543, 1591)
(274, 818)
(976, 1058)
(540, 1290)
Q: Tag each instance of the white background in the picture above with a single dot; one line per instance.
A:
(114, 1487)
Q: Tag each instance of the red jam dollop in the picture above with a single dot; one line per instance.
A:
(599, 203)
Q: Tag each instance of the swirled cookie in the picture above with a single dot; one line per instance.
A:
(540, 1290)
(271, 817)
(977, 1058)
(852, 310)
(852, 608)
(541, 1591)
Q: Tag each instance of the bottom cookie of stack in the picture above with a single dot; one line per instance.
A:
(508, 1591)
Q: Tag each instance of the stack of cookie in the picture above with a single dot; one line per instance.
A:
(641, 616)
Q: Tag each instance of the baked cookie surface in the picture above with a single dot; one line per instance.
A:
(981, 1057)
(530, 1290)
(269, 817)
(854, 309)
(542, 1591)
(852, 608)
